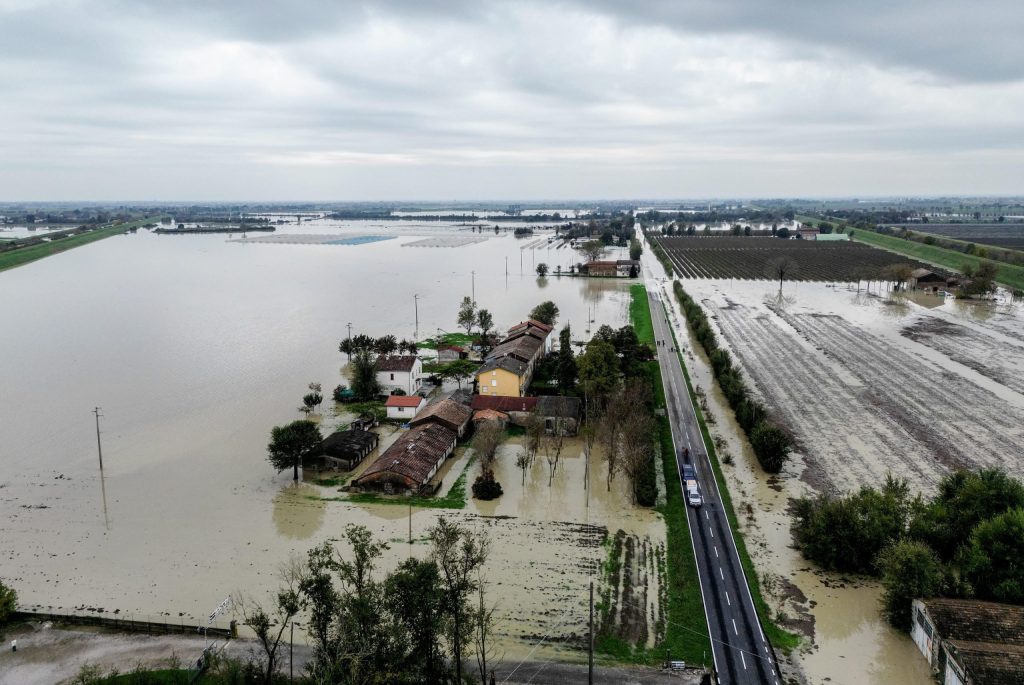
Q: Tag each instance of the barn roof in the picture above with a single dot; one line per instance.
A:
(350, 444)
(404, 401)
(504, 404)
(448, 412)
(413, 456)
(976, 621)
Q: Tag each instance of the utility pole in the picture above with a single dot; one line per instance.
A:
(506, 265)
(291, 654)
(590, 639)
(416, 301)
(349, 331)
(472, 275)
(99, 445)
(410, 528)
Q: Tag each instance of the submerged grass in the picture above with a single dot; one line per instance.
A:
(25, 255)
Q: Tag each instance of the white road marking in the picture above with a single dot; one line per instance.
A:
(712, 532)
(734, 628)
(720, 573)
(706, 515)
(727, 600)
(716, 551)
(744, 661)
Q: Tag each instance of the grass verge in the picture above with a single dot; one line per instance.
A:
(779, 637)
(31, 253)
(640, 314)
(459, 339)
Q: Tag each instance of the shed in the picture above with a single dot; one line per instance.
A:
(970, 642)
(929, 281)
(345, 449)
(411, 461)
(448, 413)
(490, 415)
(561, 415)
(517, 408)
(404, 407)
(450, 353)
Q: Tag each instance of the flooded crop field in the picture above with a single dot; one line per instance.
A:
(1001, 235)
(753, 257)
(194, 346)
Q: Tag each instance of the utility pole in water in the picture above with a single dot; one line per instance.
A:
(416, 301)
(590, 639)
(99, 445)
(472, 275)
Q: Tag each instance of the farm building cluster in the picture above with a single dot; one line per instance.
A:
(431, 429)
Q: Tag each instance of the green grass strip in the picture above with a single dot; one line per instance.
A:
(455, 339)
(779, 637)
(1006, 274)
(24, 255)
(640, 314)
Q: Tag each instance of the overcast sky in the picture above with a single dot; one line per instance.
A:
(424, 99)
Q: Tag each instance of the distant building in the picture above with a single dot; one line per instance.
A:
(404, 406)
(450, 353)
(968, 642)
(807, 233)
(561, 415)
(410, 462)
(833, 237)
(516, 408)
(622, 268)
(403, 373)
(928, 281)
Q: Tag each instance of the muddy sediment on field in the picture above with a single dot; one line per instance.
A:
(824, 392)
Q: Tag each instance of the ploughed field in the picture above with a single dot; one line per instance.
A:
(914, 393)
(1001, 235)
(752, 257)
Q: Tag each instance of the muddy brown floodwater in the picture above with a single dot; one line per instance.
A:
(194, 346)
(826, 399)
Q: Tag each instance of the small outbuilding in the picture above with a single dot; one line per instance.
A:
(404, 407)
(345, 449)
(516, 408)
(451, 353)
(485, 415)
(410, 462)
(448, 413)
(928, 281)
(561, 415)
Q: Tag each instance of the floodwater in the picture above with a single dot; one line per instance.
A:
(851, 641)
(194, 347)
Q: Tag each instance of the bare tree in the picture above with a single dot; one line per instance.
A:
(523, 461)
(534, 434)
(553, 444)
(486, 441)
(269, 626)
(782, 268)
(483, 632)
(615, 414)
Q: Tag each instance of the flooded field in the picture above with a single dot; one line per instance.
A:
(195, 346)
(823, 387)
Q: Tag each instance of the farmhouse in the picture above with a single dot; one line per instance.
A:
(516, 408)
(807, 233)
(403, 373)
(509, 367)
(448, 413)
(968, 642)
(404, 406)
(929, 281)
(411, 461)
(622, 268)
(344, 449)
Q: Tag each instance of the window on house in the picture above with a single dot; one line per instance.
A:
(494, 383)
(392, 376)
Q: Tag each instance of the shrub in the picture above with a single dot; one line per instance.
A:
(485, 487)
(909, 570)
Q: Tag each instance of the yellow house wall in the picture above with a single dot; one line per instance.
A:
(507, 384)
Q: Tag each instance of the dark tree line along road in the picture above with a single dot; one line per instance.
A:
(740, 649)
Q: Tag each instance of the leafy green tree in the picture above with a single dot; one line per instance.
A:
(8, 603)
(457, 370)
(385, 345)
(566, 371)
(545, 312)
(635, 249)
(542, 269)
(993, 560)
(593, 250)
(467, 314)
(598, 371)
(771, 445)
(486, 322)
(417, 599)
(365, 385)
(910, 570)
(291, 444)
(312, 400)
(964, 499)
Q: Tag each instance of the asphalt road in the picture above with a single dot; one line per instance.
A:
(741, 650)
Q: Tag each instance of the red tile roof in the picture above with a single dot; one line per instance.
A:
(403, 401)
(503, 404)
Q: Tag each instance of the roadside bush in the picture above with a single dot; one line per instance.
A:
(771, 445)
(646, 485)
(909, 570)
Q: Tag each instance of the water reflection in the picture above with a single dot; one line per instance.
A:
(298, 511)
